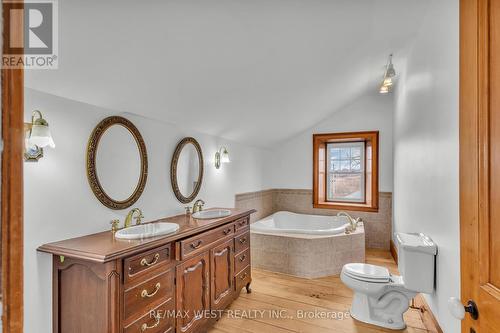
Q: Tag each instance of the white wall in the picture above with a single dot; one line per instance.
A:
(291, 164)
(59, 203)
(426, 149)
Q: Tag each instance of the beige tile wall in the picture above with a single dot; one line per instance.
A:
(378, 226)
(262, 201)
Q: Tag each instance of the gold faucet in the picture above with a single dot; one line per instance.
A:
(130, 215)
(115, 224)
(198, 205)
(352, 221)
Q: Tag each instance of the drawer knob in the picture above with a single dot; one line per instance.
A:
(227, 231)
(145, 326)
(197, 244)
(243, 257)
(145, 293)
(144, 262)
(243, 222)
(243, 240)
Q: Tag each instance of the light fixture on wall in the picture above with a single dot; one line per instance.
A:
(37, 136)
(221, 156)
(389, 73)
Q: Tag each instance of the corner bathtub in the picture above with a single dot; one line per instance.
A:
(309, 246)
(292, 223)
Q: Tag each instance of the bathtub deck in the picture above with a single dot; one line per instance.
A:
(274, 291)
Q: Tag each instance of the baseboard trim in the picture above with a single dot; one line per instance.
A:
(428, 317)
(394, 252)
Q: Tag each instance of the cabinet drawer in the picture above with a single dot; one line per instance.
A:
(242, 223)
(191, 246)
(241, 242)
(241, 260)
(138, 266)
(164, 322)
(242, 278)
(146, 295)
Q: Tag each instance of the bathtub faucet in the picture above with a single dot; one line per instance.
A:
(352, 222)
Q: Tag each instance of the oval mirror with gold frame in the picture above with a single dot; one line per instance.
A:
(186, 170)
(117, 162)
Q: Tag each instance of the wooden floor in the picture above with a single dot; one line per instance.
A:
(281, 298)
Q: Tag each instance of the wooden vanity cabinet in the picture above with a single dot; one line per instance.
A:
(165, 289)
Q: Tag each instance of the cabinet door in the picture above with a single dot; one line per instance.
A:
(221, 275)
(86, 296)
(193, 292)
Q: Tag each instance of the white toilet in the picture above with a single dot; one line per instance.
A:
(381, 298)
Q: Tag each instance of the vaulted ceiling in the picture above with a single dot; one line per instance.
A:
(255, 71)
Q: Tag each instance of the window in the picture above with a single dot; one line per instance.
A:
(346, 171)
(345, 179)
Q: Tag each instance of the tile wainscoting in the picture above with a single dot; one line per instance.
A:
(262, 201)
(378, 226)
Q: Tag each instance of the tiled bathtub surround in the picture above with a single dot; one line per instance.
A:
(308, 256)
(262, 201)
(378, 226)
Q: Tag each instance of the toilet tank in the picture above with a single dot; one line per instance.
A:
(416, 261)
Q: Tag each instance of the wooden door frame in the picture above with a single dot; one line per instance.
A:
(474, 145)
(12, 193)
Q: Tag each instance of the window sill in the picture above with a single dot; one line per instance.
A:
(346, 206)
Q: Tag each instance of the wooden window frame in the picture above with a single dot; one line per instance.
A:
(319, 184)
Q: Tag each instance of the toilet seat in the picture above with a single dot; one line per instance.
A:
(367, 273)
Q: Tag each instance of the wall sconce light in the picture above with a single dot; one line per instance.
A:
(37, 136)
(384, 89)
(389, 73)
(221, 156)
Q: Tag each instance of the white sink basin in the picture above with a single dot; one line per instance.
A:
(211, 214)
(147, 230)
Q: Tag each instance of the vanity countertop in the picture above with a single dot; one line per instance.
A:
(103, 246)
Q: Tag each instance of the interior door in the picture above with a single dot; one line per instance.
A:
(221, 271)
(480, 162)
(192, 292)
